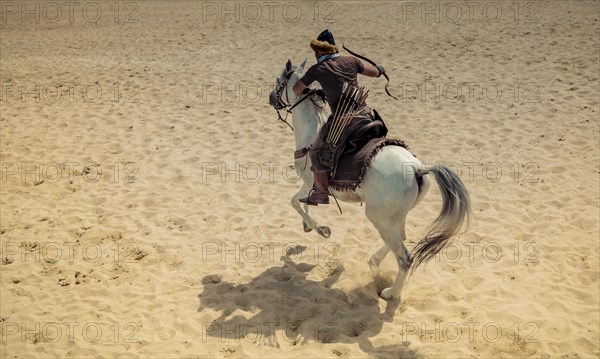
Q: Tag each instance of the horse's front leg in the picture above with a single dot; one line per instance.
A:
(308, 222)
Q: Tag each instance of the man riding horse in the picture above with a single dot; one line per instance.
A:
(335, 73)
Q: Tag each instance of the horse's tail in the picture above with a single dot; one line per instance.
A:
(455, 213)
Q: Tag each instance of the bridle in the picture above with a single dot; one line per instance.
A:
(280, 104)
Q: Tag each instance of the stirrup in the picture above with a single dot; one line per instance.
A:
(312, 201)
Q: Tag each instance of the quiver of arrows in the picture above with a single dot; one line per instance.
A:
(352, 99)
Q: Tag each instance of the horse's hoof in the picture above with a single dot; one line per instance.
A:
(324, 231)
(306, 227)
(386, 294)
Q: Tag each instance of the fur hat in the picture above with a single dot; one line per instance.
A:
(322, 47)
(324, 43)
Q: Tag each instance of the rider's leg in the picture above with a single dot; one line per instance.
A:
(320, 192)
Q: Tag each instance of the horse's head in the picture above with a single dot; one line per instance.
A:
(283, 96)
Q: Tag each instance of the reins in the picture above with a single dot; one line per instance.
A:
(284, 120)
(285, 104)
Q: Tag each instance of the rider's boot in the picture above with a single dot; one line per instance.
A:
(320, 192)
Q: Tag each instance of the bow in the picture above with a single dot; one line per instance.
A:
(374, 64)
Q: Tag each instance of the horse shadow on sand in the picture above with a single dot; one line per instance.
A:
(282, 305)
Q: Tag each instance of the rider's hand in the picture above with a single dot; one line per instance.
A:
(381, 70)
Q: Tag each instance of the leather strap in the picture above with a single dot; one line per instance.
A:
(300, 153)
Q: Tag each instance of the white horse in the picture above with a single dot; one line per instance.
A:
(394, 183)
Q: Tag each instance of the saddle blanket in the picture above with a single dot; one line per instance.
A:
(352, 167)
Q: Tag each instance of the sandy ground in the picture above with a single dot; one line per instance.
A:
(146, 182)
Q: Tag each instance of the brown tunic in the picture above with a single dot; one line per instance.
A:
(331, 75)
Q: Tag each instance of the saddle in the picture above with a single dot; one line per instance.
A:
(362, 140)
(352, 167)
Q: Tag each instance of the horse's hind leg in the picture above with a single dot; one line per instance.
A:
(393, 234)
(377, 257)
(403, 259)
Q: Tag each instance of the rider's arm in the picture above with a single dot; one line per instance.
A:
(299, 86)
(370, 71)
(305, 81)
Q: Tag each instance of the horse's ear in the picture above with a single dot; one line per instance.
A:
(288, 65)
(303, 64)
